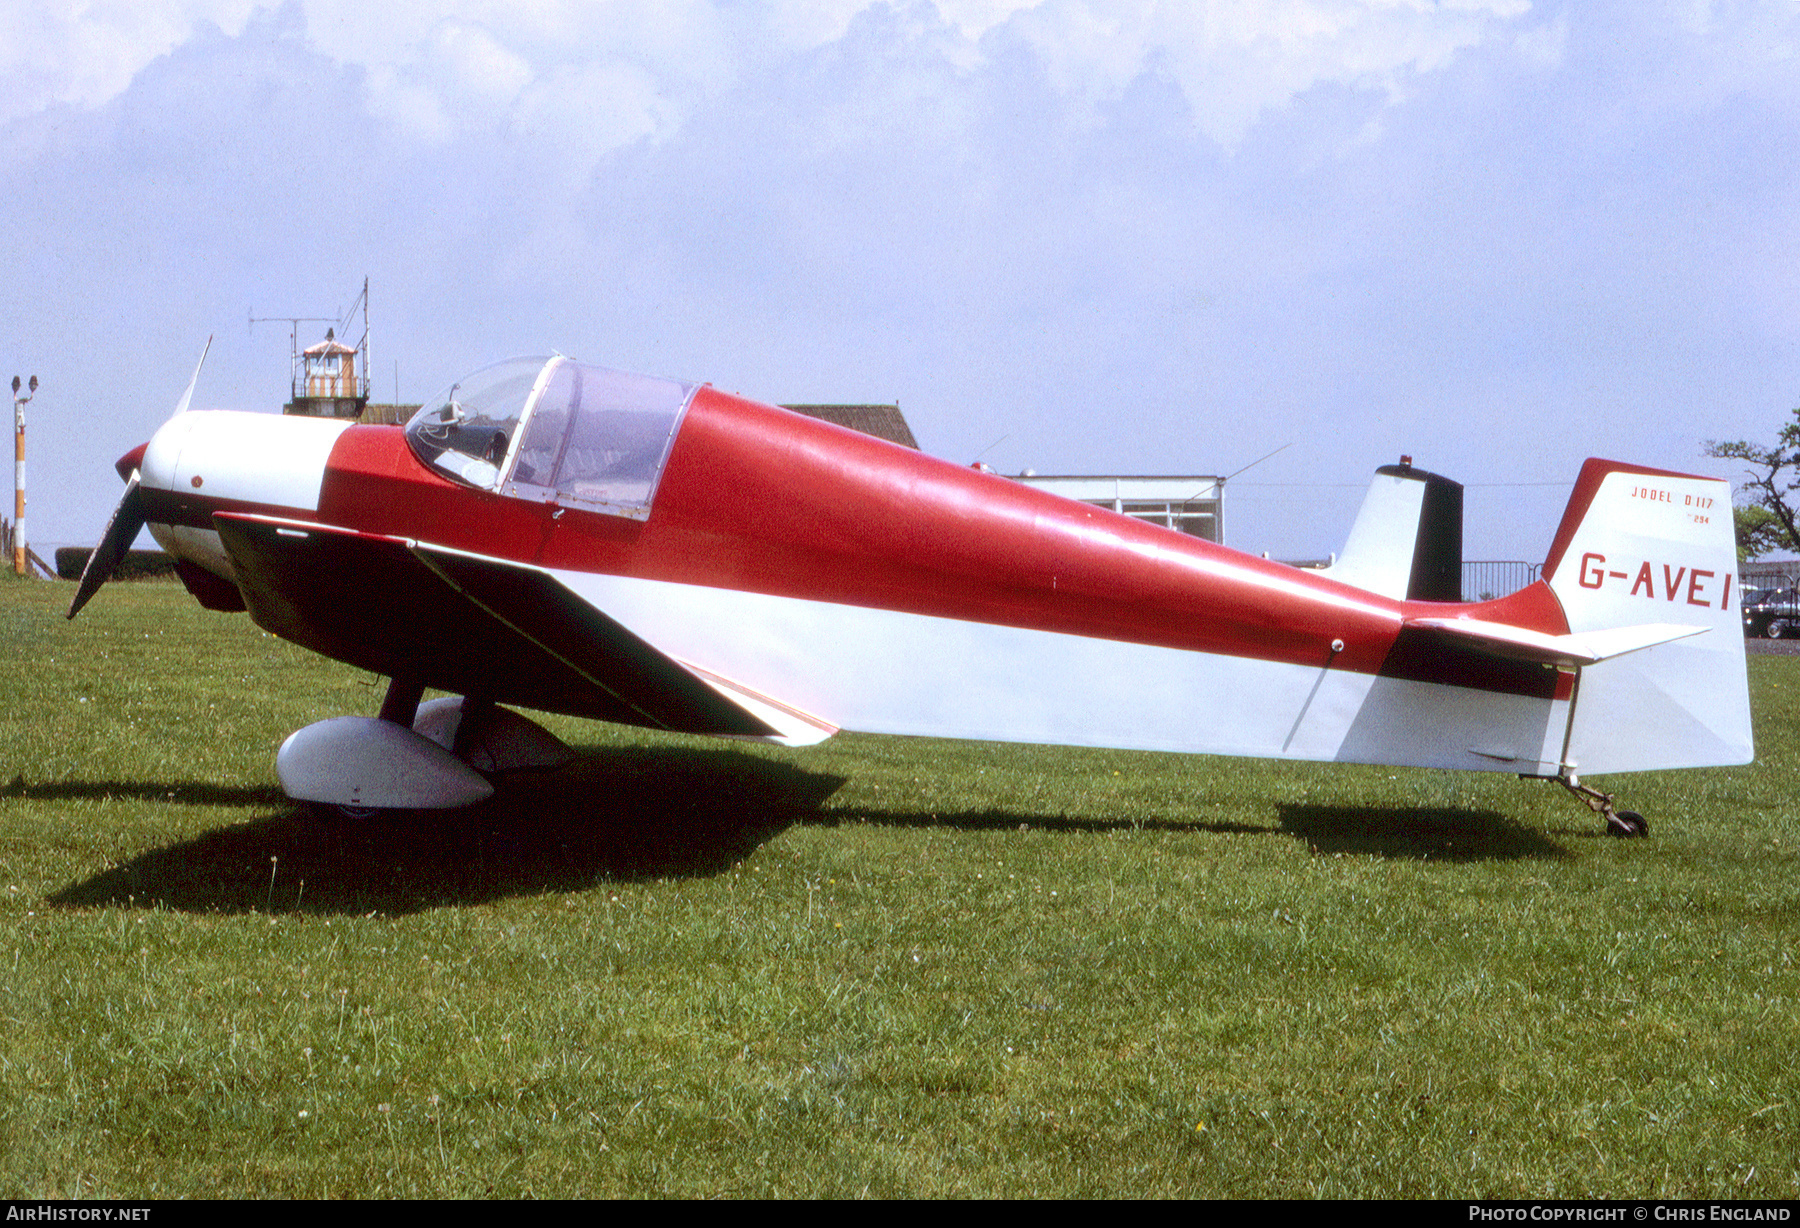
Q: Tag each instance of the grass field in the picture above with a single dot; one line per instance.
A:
(876, 967)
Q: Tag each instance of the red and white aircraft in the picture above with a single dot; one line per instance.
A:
(563, 537)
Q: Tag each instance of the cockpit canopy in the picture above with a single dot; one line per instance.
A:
(554, 430)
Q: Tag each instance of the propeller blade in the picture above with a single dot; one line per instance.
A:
(127, 518)
(181, 406)
(121, 531)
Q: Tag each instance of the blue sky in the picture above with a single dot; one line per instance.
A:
(1498, 236)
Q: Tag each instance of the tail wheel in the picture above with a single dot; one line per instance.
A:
(1622, 823)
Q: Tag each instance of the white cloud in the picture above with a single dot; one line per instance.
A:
(477, 64)
(588, 110)
(435, 65)
(82, 54)
(1546, 45)
(412, 108)
(805, 24)
(591, 77)
(596, 76)
(1237, 59)
(976, 17)
(432, 58)
(462, 76)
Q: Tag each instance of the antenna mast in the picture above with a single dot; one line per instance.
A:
(330, 379)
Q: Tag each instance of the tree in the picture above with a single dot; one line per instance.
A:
(1758, 532)
(1770, 518)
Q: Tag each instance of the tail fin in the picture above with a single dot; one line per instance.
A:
(1407, 539)
(1639, 546)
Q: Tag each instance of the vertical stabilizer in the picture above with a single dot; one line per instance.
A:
(1407, 539)
(1640, 546)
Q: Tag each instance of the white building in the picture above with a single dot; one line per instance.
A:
(1187, 504)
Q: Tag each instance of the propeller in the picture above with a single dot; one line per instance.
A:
(121, 531)
(127, 518)
(181, 406)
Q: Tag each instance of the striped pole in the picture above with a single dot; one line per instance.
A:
(18, 480)
(20, 542)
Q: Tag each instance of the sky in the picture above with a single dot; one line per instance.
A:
(1074, 236)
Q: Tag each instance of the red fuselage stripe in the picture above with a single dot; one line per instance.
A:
(761, 500)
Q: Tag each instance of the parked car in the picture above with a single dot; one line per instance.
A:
(1771, 612)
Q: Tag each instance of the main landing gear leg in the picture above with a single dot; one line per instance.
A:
(1618, 822)
(401, 705)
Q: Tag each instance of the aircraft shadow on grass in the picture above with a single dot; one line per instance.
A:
(622, 814)
(1425, 833)
(610, 815)
(1019, 820)
(1436, 833)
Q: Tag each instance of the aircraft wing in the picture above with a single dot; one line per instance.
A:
(476, 625)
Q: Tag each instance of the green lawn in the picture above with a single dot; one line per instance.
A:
(879, 966)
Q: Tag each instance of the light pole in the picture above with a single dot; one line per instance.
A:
(19, 546)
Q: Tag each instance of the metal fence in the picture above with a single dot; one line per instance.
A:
(1782, 573)
(1485, 579)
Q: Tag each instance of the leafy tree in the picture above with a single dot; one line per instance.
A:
(1770, 520)
(1758, 532)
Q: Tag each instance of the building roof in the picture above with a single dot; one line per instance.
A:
(374, 414)
(881, 421)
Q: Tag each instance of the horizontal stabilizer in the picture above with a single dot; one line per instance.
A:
(1564, 651)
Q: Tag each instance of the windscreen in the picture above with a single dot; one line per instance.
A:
(466, 431)
(561, 431)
